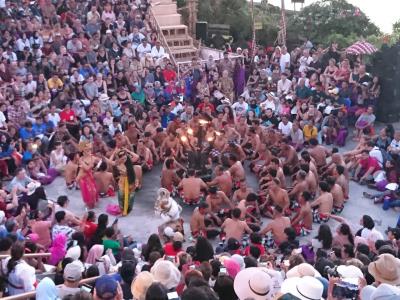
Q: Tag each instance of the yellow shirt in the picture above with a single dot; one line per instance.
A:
(54, 84)
(310, 132)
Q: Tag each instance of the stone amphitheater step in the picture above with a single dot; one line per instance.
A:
(174, 31)
(184, 53)
(169, 20)
(164, 9)
(185, 41)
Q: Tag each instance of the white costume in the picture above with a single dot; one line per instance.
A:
(166, 207)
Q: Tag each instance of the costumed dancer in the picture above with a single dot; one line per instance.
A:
(85, 176)
(169, 211)
(127, 182)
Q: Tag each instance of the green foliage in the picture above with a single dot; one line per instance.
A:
(231, 12)
(322, 20)
(343, 41)
(396, 27)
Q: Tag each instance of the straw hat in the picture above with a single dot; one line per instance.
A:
(253, 283)
(386, 269)
(302, 270)
(350, 273)
(167, 273)
(383, 292)
(103, 97)
(32, 186)
(140, 284)
(305, 288)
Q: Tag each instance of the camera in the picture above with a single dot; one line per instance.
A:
(342, 289)
(222, 272)
(345, 290)
(173, 296)
(331, 271)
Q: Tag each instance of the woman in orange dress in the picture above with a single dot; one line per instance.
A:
(85, 177)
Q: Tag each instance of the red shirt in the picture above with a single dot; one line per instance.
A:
(89, 230)
(203, 105)
(370, 162)
(169, 75)
(67, 116)
(170, 251)
(259, 246)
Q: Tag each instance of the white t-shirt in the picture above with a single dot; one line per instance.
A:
(2, 120)
(22, 278)
(285, 129)
(284, 86)
(285, 58)
(157, 53)
(142, 50)
(268, 104)
(240, 108)
(371, 235)
(375, 152)
(54, 118)
(395, 145)
(304, 63)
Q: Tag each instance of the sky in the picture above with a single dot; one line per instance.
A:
(384, 13)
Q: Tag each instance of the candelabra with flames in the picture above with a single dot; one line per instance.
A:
(199, 151)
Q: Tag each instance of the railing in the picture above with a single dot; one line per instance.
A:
(163, 40)
(33, 293)
(29, 255)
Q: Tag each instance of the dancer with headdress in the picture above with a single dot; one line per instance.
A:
(85, 176)
(122, 160)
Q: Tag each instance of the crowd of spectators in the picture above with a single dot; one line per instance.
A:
(88, 93)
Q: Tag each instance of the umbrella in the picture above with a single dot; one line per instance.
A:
(360, 48)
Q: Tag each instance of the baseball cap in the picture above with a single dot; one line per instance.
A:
(169, 232)
(106, 287)
(72, 272)
(178, 237)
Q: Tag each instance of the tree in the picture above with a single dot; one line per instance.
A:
(230, 12)
(396, 28)
(325, 18)
(321, 22)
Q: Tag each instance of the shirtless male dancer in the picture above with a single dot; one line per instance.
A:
(222, 180)
(191, 188)
(318, 152)
(341, 180)
(302, 221)
(169, 178)
(276, 196)
(300, 185)
(337, 194)
(236, 169)
(218, 202)
(277, 226)
(200, 225)
(242, 192)
(234, 227)
(323, 204)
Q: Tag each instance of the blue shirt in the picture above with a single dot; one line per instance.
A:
(4, 233)
(6, 152)
(165, 119)
(25, 134)
(49, 125)
(39, 129)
